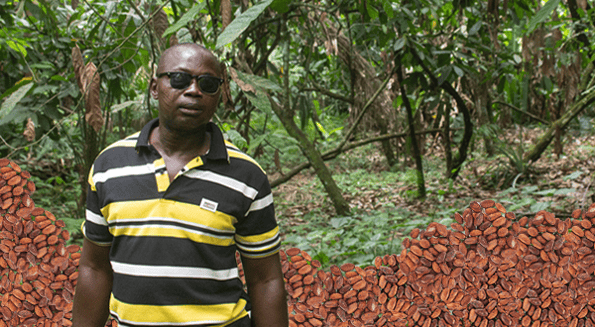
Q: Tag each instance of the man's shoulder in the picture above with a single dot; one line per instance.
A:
(239, 157)
(126, 143)
(118, 150)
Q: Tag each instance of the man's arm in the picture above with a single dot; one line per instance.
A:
(267, 291)
(93, 288)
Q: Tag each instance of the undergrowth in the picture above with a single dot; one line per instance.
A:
(384, 204)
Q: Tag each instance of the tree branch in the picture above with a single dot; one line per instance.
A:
(365, 108)
(331, 154)
(462, 155)
(523, 112)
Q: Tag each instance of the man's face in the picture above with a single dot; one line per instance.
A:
(185, 110)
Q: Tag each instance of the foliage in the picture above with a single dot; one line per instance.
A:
(461, 61)
(357, 239)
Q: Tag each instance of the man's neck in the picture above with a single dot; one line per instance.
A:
(179, 144)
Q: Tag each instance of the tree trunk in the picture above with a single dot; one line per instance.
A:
(461, 156)
(331, 154)
(286, 115)
(314, 157)
(421, 185)
(542, 143)
(366, 82)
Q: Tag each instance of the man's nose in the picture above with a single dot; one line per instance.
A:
(193, 89)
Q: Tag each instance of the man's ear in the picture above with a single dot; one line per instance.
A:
(153, 88)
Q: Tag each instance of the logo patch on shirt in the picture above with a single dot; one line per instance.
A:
(208, 205)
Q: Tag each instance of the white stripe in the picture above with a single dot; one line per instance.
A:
(192, 231)
(95, 218)
(148, 220)
(261, 204)
(231, 183)
(173, 271)
(123, 171)
(124, 323)
(257, 249)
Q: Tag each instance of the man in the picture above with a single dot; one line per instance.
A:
(168, 208)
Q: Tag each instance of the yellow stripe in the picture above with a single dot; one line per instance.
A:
(90, 179)
(122, 143)
(172, 232)
(258, 238)
(147, 314)
(194, 163)
(163, 179)
(168, 209)
(162, 182)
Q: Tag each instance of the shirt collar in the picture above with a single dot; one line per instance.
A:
(217, 151)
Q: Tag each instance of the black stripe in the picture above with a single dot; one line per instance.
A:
(175, 291)
(170, 251)
(260, 244)
(244, 322)
(256, 253)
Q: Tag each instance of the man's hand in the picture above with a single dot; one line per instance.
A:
(267, 291)
(93, 288)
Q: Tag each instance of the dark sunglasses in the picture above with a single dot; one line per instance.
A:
(180, 80)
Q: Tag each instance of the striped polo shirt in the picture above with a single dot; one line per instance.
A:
(173, 244)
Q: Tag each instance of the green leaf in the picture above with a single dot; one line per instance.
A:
(14, 98)
(458, 71)
(240, 23)
(254, 143)
(262, 82)
(444, 74)
(573, 176)
(542, 14)
(236, 138)
(260, 101)
(372, 12)
(540, 206)
(18, 46)
(475, 28)
(399, 44)
(120, 106)
(388, 8)
(548, 192)
(280, 6)
(564, 191)
(188, 17)
(59, 78)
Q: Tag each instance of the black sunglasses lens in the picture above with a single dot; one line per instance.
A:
(209, 84)
(180, 80)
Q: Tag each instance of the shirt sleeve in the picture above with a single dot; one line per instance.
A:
(95, 227)
(257, 235)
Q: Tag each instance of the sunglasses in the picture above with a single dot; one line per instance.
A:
(206, 83)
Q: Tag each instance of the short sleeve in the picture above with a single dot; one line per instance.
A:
(257, 235)
(95, 227)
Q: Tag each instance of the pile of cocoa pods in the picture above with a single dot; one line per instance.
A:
(39, 270)
(488, 269)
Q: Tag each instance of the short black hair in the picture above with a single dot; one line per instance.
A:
(189, 44)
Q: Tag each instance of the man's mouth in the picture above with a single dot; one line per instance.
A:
(190, 110)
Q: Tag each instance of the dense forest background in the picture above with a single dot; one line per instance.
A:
(371, 117)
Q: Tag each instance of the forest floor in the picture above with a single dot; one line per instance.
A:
(558, 184)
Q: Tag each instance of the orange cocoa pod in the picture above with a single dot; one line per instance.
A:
(15, 180)
(347, 267)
